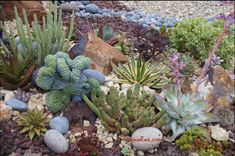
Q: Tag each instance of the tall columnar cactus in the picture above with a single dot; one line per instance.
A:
(124, 113)
(51, 36)
(64, 78)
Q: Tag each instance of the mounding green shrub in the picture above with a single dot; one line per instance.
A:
(198, 36)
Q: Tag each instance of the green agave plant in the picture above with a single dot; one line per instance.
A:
(33, 123)
(141, 72)
(17, 64)
(184, 111)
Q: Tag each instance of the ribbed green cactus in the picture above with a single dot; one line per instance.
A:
(124, 113)
(64, 79)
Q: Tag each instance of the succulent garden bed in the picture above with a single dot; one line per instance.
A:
(101, 79)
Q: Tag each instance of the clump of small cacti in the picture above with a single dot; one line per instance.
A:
(64, 79)
(124, 113)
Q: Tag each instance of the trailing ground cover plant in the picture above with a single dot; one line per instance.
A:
(17, 61)
(51, 36)
(124, 113)
(139, 71)
(198, 36)
(33, 123)
(63, 78)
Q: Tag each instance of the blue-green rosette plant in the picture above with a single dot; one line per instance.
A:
(64, 79)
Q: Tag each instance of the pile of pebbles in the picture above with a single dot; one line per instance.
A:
(86, 9)
(180, 9)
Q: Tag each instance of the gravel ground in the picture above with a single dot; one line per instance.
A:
(180, 9)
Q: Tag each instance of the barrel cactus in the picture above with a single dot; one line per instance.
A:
(64, 78)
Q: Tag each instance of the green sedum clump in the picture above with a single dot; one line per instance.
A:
(210, 152)
(34, 123)
(187, 140)
(195, 140)
(124, 113)
(198, 36)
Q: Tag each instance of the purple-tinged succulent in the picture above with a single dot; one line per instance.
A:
(177, 65)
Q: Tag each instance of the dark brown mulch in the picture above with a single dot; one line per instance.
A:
(149, 43)
(168, 149)
(114, 5)
(83, 25)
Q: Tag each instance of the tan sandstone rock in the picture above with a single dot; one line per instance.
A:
(5, 111)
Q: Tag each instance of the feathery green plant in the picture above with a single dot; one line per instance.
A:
(141, 72)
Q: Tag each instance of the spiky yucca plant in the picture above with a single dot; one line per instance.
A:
(17, 64)
(33, 123)
(51, 36)
(141, 72)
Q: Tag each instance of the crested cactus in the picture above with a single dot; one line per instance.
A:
(124, 113)
(64, 78)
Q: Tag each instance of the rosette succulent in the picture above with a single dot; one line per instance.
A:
(33, 123)
(65, 79)
(144, 73)
(184, 111)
